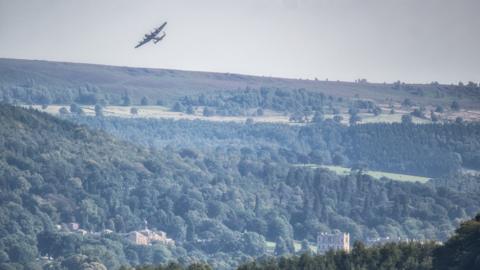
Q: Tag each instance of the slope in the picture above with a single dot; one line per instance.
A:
(63, 82)
(219, 208)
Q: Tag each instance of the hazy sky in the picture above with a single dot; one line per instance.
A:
(381, 40)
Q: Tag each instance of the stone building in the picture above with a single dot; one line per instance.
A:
(333, 241)
(148, 237)
(137, 238)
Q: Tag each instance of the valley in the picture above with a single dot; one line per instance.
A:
(227, 174)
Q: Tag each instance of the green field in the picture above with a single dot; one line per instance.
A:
(375, 174)
(390, 118)
(165, 113)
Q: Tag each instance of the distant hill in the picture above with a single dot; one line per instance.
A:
(219, 208)
(62, 83)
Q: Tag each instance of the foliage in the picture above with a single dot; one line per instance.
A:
(255, 100)
(220, 202)
(408, 256)
(462, 251)
(426, 150)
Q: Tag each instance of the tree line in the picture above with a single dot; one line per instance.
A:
(220, 205)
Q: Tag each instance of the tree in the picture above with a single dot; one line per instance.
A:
(462, 251)
(360, 166)
(178, 107)
(338, 118)
(98, 110)
(455, 106)
(86, 99)
(21, 251)
(338, 159)
(260, 112)
(63, 110)
(281, 247)
(377, 111)
(3, 256)
(305, 247)
(144, 101)
(318, 117)
(439, 109)
(396, 85)
(406, 119)
(407, 102)
(354, 118)
(6, 99)
(297, 117)
(126, 100)
(253, 243)
(198, 266)
(472, 85)
(103, 102)
(48, 243)
(190, 110)
(81, 262)
(418, 113)
(74, 108)
(208, 112)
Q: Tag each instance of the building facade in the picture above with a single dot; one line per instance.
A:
(333, 241)
(137, 238)
(148, 237)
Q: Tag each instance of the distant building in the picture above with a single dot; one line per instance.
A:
(137, 238)
(333, 241)
(148, 237)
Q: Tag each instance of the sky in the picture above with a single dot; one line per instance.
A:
(380, 40)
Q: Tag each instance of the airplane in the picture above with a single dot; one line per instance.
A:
(153, 36)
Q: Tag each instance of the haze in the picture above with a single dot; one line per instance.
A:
(380, 40)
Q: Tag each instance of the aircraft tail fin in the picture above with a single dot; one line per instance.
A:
(156, 40)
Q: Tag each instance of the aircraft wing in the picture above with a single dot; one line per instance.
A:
(153, 36)
(145, 40)
(159, 29)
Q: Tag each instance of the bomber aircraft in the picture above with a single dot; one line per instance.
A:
(153, 36)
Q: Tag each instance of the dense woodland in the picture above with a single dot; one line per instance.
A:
(432, 150)
(241, 102)
(221, 205)
(460, 252)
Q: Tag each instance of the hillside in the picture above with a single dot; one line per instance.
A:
(430, 150)
(62, 82)
(220, 207)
